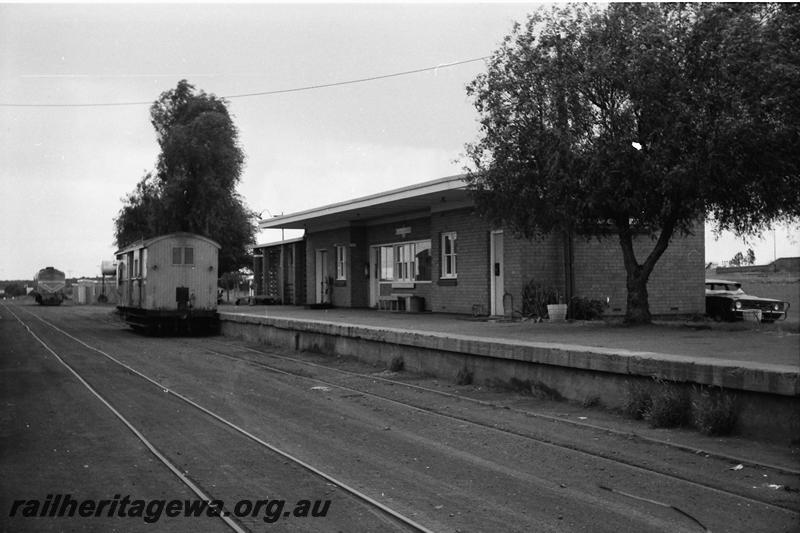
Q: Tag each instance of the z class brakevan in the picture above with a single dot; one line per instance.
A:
(169, 283)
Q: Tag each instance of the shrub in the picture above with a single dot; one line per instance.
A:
(396, 364)
(537, 389)
(716, 412)
(585, 309)
(591, 401)
(464, 377)
(637, 400)
(671, 406)
(536, 298)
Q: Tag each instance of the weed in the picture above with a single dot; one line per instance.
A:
(396, 364)
(637, 400)
(671, 406)
(537, 389)
(591, 401)
(464, 377)
(716, 412)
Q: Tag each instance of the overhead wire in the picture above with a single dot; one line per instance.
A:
(267, 93)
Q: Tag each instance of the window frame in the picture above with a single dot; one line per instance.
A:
(449, 270)
(341, 262)
(398, 262)
(182, 255)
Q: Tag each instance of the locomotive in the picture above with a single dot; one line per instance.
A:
(49, 286)
(169, 283)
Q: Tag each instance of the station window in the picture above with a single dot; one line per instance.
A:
(341, 262)
(387, 263)
(406, 262)
(449, 254)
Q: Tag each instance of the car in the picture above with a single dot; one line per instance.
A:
(725, 300)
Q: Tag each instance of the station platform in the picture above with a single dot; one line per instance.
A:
(758, 362)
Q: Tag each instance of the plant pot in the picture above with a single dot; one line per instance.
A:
(557, 312)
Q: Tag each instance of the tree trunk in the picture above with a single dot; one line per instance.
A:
(638, 307)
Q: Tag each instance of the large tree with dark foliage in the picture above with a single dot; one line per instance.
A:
(194, 185)
(641, 120)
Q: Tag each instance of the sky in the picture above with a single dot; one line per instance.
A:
(69, 153)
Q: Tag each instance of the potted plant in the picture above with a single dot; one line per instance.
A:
(539, 302)
(557, 312)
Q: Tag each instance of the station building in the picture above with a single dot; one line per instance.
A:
(424, 248)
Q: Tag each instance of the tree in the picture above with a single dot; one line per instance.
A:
(140, 216)
(751, 257)
(741, 259)
(639, 120)
(14, 289)
(193, 187)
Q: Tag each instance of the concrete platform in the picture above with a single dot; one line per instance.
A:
(574, 361)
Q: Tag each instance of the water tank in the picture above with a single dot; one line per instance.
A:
(108, 268)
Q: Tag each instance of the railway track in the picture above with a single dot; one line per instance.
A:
(781, 469)
(231, 519)
(355, 383)
(574, 446)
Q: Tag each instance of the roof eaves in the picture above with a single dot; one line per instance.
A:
(411, 191)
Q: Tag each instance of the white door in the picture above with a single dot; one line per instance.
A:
(321, 278)
(496, 273)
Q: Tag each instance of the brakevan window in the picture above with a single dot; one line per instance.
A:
(182, 255)
(449, 254)
(406, 262)
(341, 262)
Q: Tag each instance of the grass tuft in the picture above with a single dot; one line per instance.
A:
(671, 406)
(637, 400)
(396, 364)
(464, 377)
(716, 412)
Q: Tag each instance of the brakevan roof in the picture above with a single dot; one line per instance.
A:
(147, 242)
(422, 198)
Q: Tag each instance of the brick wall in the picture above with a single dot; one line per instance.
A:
(539, 261)
(296, 279)
(676, 285)
(420, 229)
(386, 233)
(357, 260)
(327, 240)
(472, 285)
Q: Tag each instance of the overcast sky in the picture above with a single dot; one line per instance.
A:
(65, 167)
